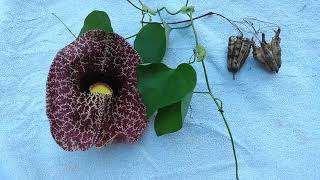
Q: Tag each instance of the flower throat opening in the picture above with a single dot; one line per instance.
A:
(93, 82)
(100, 88)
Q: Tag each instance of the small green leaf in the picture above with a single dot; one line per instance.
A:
(150, 43)
(97, 20)
(170, 118)
(161, 86)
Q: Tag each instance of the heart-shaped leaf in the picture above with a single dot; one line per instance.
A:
(97, 20)
(150, 43)
(161, 86)
(170, 118)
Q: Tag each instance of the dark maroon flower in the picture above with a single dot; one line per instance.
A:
(79, 118)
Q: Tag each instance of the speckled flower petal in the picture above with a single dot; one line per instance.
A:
(128, 119)
(79, 119)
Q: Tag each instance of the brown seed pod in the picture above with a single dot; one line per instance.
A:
(269, 55)
(238, 52)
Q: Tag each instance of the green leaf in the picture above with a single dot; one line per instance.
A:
(97, 20)
(161, 86)
(170, 118)
(150, 43)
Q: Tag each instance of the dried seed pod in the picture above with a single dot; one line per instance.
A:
(238, 52)
(269, 55)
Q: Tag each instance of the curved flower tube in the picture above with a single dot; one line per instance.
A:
(81, 118)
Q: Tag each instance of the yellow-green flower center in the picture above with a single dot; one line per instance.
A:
(101, 88)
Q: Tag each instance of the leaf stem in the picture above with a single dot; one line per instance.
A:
(64, 25)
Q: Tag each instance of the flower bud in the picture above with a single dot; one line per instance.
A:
(200, 52)
(187, 10)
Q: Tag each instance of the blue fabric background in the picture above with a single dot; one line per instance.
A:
(274, 117)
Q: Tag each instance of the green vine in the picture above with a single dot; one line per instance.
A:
(216, 100)
(150, 42)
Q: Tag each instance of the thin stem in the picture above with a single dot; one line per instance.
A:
(134, 5)
(169, 12)
(234, 25)
(216, 101)
(200, 92)
(256, 33)
(64, 25)
(178, 22)
(184, 21)
(246, 25)
(255, 19)
(230, 134)
(131, 36)
(206, 76)
(142, 18)
(194, 30)
(194, 59)
(182, 27)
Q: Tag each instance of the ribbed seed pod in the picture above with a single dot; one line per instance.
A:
(238, 52)
(269, 55)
